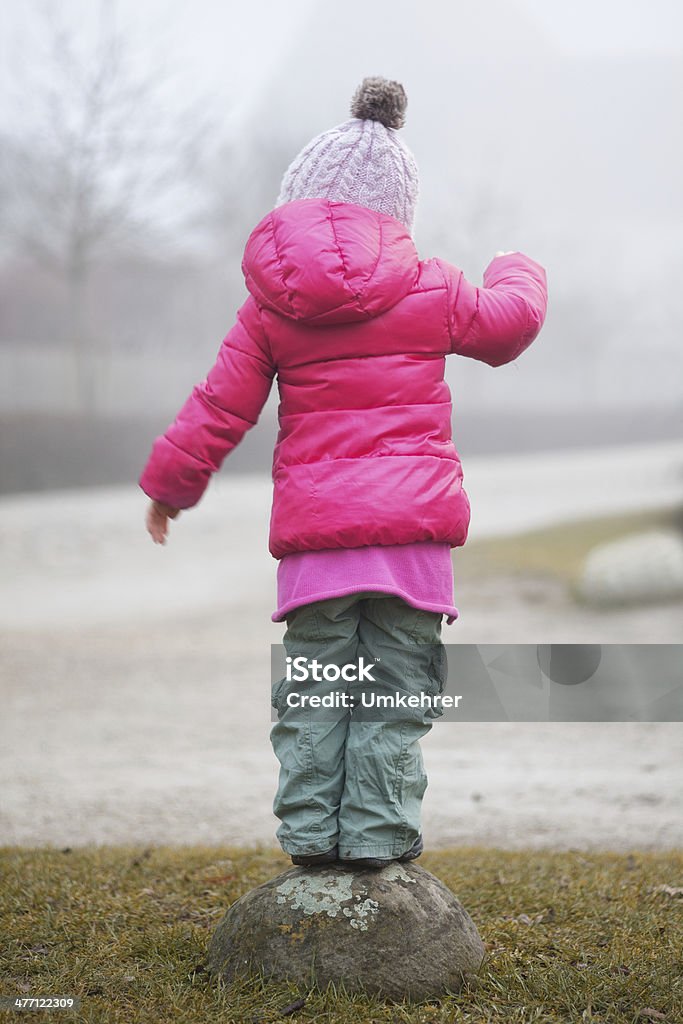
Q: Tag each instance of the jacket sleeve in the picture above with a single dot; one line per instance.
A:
(215, 417)
(497, 322)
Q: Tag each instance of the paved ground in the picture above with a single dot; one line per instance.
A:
(135, 682)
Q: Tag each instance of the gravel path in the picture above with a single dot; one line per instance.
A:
(135, 692)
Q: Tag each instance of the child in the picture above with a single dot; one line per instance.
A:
(368, 497)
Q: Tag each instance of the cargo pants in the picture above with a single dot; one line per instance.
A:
(356, 777)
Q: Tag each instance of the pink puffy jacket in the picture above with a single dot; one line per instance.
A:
(357, 329)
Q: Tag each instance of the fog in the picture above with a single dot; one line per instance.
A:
(141, 143)
(535, 127)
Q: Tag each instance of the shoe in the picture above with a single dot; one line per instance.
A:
(415, 850)
(311, 860)
(377, 863)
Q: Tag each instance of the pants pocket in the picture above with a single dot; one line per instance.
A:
(400, 621)
(303, 623)
(438, 676)
(438, 667)
(276, 692)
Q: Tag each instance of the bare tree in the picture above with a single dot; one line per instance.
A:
(103, 166)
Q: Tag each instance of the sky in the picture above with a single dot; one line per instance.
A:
(610, 26)
(210, 44)
(588, 168)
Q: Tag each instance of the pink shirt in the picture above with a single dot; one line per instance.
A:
(420, 573)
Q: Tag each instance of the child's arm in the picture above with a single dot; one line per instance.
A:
(213, 420)
(498, 322)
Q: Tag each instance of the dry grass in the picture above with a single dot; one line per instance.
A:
(557, 550)
(570, 937)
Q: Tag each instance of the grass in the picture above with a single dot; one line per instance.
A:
(557, 550)
(569, 937)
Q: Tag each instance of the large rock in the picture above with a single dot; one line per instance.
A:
(637, 568)
(398, 932)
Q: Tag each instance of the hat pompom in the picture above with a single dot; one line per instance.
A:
(377, 99)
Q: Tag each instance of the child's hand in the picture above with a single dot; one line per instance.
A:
(158, 515)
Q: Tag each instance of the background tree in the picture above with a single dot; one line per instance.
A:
(102, 162)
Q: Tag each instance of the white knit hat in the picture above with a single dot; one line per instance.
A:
(362, 160)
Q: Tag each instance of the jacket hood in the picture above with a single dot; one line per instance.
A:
(326, 262)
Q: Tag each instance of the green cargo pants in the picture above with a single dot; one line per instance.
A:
(356, 778)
